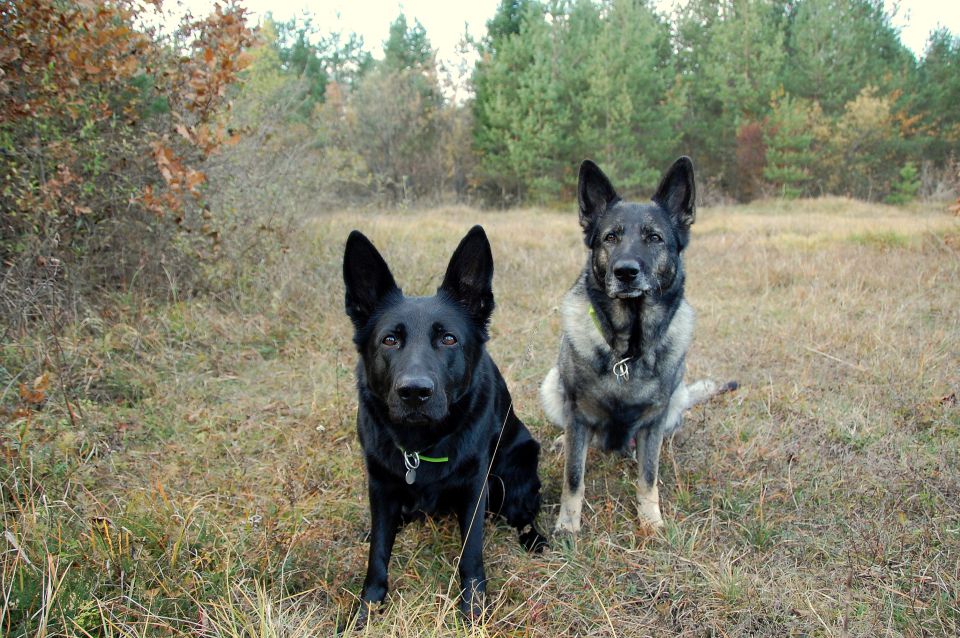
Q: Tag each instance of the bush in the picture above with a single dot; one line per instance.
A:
(102, 127)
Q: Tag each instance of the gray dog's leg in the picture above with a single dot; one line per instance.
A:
(648, 461)
(575, 440)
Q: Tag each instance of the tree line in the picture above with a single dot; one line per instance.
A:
(130, 156)
(770, 98)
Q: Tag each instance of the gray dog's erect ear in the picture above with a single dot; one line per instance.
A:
(366, 277)
(469, 278)
(595, 193)
(677, 192)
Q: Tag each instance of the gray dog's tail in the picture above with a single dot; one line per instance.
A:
(693, 394)
(705, 389)
(551, 397)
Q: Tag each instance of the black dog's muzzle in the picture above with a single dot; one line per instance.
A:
(415, 390)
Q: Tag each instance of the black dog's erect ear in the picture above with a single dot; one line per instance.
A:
(595, 193)
(469, 278)
(366, 277)
(677, 194)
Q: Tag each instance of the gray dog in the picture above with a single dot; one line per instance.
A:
(626, 330)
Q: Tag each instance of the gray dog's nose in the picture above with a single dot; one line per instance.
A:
(626, 270)
(415, 390)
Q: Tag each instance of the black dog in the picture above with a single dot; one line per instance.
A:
(435, 419)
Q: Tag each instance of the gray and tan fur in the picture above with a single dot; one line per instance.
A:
(618, 381)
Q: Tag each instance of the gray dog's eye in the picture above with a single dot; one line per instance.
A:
(656, 238)
(390, 341)
(610, 238)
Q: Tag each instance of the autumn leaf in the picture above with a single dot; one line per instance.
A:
(35, 393)
(195, 179)
(184, 132)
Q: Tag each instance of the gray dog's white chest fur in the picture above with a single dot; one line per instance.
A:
(652, 380)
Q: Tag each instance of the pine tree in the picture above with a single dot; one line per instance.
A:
(300, 58)
(838, 47)
(570, 81)
(520, 112)
(629, 113)
(788, 140)
(904, 190)
(935, 97)
(407, 47)
(731, 58)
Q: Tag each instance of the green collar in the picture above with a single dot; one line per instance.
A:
(434, 459)
(593, 315)
(428, 459)
(411, 461)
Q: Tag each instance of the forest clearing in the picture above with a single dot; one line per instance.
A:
(178, 451)
(207, 478)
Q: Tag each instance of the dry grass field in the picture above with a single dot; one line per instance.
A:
(193, 468)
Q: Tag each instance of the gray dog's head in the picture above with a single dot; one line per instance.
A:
(635, 248)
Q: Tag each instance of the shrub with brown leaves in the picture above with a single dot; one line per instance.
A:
(103, 123)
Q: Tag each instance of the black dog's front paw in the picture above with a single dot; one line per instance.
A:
(357, 618)
(472, 611)
(472, 602)
(533, 541)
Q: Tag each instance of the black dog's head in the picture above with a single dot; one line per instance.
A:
(419, 353)
(636, 247)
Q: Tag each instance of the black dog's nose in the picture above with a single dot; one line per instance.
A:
(415, 390)
(626, 270)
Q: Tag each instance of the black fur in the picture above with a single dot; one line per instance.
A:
(427, 385)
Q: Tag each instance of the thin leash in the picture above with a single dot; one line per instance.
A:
(476, 507)
(496, 448)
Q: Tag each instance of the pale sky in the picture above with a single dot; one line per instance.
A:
(444, 21)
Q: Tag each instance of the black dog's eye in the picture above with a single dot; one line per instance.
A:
(390, 341)
(610, 238)
(448, 340)
(655, 238)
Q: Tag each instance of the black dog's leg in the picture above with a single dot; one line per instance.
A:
(575, 440)
(649, 442)
(515, 489)
(385, 521)
(473, 581)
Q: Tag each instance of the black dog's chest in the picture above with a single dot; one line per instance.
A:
(437, 487)
(437, 499)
